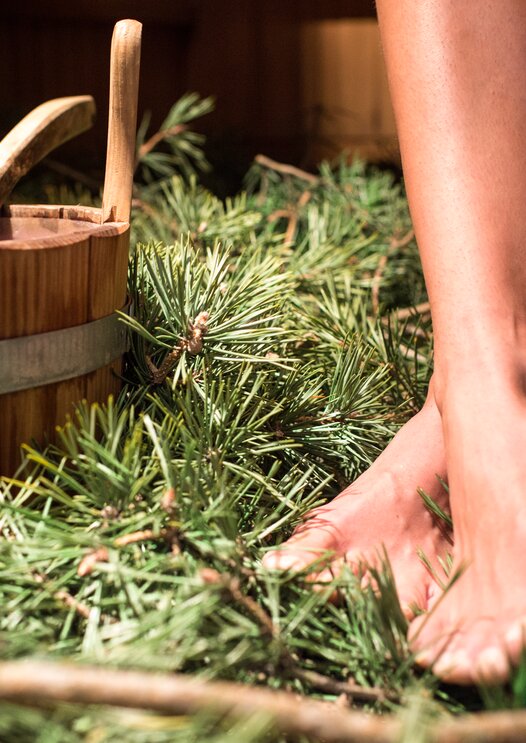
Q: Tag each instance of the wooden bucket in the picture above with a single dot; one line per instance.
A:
(63, 273)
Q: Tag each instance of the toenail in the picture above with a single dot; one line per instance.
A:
(280, 561)
(425, 658)
(492, 665)
(453, 663)
(515, 638)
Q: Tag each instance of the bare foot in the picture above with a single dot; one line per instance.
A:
(382, 509)
(478, 628)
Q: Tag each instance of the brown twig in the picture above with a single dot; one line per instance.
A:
(401, 242)
(72, 603)
(133, 537)
(411, 354)
(178, 694)
(304, 199)
(160, 373)
(193, 343)
(233, 586)
(88, 562)
(286, 169)
(415, 331)
(257, 611)
(293, 220)
(81, 609)
(67, 599)
(37, 681)
(146, 535)
(169, 500)
(411, 328)
(279, 214)
(156, 138)
(353, 692)
(314, 679)
(291, 229)
(292, 214)
(423, 308)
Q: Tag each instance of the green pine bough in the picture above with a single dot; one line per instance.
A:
(273, 356)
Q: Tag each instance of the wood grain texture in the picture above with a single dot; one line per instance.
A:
(83, 214)
(108, 270)
(41, 131)
(124, 89)
(62, 266)
(43, 288)
(344, 91)
(30, 417)
(68, 273)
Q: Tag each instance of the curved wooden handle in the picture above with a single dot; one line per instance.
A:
(42, 130)
(124, 87)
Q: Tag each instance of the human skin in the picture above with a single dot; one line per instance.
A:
(456, 72)
(382, 510)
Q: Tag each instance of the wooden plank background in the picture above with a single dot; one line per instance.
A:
(295, 79)
(345, 96)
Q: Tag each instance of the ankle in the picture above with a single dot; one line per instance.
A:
(497, 384)
(487, 357)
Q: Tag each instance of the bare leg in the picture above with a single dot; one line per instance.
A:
(456, 71)
(383, 509)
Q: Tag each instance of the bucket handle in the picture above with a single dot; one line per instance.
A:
(124, 88)
(41, 131)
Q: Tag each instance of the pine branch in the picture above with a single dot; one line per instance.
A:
(287, 390)
(182, 149)
(394, 245)
(157, 138)
(193, 344)
(353, 692)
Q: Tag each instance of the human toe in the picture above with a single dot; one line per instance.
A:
(428, 642)
(295, 557)
(515, 640)
(454, 666)
(492, 665)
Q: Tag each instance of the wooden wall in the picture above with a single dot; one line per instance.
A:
(51, 48)
(345, 97)
(296, 79)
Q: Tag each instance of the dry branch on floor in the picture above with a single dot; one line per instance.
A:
(286, 169)
(35, 682)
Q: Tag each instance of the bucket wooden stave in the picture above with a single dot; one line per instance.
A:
(60, 269)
